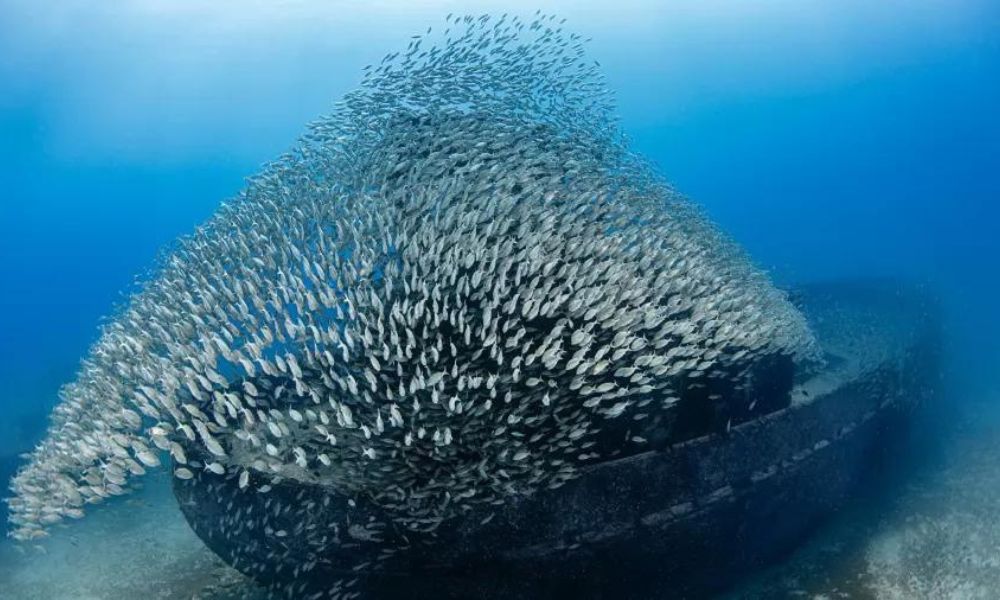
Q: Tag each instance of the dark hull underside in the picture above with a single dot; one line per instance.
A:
(680, 521)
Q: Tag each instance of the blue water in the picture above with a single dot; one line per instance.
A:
(829, 138)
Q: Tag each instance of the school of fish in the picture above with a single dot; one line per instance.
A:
(434, 302)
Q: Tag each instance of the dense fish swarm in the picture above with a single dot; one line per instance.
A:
(435, 301)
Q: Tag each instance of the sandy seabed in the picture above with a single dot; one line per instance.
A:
(134, 547)
(935, 537)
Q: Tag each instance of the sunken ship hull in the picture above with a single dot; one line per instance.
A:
(685, 518)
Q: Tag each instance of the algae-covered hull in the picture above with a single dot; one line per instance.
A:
(675, 521)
